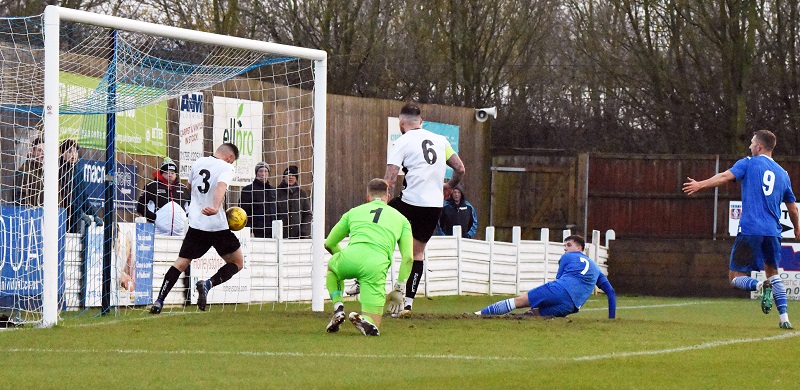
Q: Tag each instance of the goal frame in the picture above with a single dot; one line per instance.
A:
(53, 15)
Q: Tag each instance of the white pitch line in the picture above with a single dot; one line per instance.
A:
(270, 354)
(712, 344)
(655, 306)
(613, 355)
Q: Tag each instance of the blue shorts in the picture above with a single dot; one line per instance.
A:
(751, 253)
(552, 300)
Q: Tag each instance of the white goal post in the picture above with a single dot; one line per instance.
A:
(53, 17)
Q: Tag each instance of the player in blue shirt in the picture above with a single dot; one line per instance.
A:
(765, 185)
(575, 281)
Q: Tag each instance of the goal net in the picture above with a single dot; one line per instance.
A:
(102, 119)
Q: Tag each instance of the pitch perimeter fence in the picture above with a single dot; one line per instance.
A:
(277, 271)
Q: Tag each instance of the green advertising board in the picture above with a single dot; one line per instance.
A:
(138, 131)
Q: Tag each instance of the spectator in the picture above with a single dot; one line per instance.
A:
(28, 178)
(66, 180)
(165, 200)
(293, 208)
(258, 201)
(457, 211)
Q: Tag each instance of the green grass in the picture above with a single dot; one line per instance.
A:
(655, 343)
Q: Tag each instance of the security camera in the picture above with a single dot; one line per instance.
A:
(482, 114)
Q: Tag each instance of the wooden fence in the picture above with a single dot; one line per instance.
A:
(638, 196)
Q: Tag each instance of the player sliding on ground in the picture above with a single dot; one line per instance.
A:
(208, 225)
(575, 281)
(374, 229)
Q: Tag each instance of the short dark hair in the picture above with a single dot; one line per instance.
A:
(377, 186)
(410, 109)
(37, 141)
(766, 138)
(67, 144)
(231, 148)
(578, 239)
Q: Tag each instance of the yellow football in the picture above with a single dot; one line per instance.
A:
(237, 218)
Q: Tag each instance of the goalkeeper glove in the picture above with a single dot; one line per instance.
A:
(394, 300)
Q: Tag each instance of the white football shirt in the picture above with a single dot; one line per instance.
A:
(424, 155)
(206, 173)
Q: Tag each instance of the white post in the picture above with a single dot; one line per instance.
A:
(318, 271)
(610, 235)
(277, 234)
(516, 239)
(457, 235)
(544, 237)
(595, 243)
(50, 217)
(490, 239)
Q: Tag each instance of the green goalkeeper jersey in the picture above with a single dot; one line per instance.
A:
(378, 225)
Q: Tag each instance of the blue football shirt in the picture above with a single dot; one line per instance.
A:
(578, 274)
(765, 185)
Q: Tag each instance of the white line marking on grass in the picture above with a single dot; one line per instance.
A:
(655, 306)
(712, 344)
(613, 355)
(270, 354)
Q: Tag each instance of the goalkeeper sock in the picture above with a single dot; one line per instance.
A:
(744, 283)
(334, 286)
(501, 307)
(169, 281)
(224, 274)
(413, 280)
(779, 293)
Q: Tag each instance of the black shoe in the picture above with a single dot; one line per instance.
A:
(202, 294)
(157, 306)
(336, 320)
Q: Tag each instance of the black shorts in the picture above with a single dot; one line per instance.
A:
(198, 242)
(423, 219)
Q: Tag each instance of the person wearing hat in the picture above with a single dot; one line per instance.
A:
(164, 200)
(258, 201)
(294, 207)
(458, 211)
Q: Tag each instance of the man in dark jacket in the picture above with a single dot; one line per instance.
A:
(457, 211)
(258, 201)
(293, 206)
(165, 190)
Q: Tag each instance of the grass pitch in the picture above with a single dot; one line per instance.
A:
(654, 343)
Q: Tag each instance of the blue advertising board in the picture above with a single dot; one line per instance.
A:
(92, 173)
(145, 240)
(21, 257)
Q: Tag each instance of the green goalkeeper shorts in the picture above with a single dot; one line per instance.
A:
(366, 264)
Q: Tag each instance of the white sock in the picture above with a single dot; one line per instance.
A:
(784, 317)
(408, 301)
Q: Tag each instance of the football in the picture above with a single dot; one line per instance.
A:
(237, 218)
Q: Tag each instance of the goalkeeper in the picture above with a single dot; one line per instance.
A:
(374, 229)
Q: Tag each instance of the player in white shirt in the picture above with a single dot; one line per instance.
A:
(208, 225)
(424, 157)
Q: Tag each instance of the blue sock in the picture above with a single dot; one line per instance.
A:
(779, 293)
(208, 284)
(500, 307)
(745, 283)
